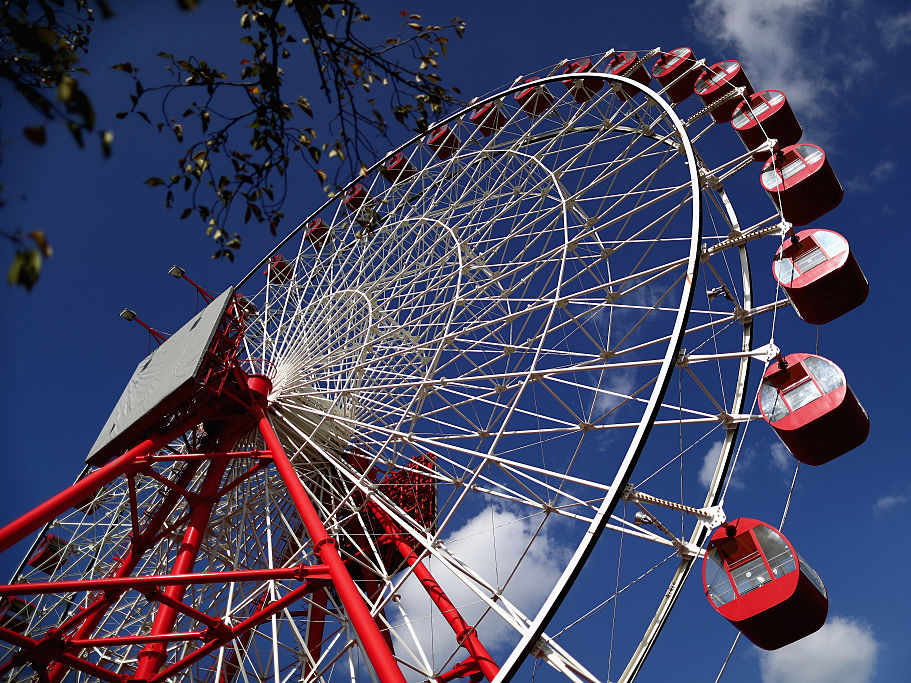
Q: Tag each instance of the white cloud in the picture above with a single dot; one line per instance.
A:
(708, 464)
(491, 543)
(842, 650)
(886, 503)
(895, 31)
(774, 41)
(882, 170)
(781, 458)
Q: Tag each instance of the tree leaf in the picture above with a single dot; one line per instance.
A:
(35, 134)
(154, 181)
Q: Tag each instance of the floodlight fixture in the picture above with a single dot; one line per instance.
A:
(127, 314)
(177, 271)
(181, 273)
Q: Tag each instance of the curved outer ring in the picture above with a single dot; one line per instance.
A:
(563, 585)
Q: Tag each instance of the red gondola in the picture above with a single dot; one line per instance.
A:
(359, 202)
(279, 269)
(583, 89)
(50, 554)
(801, 182)
(398, 169)
(15, 613)
(766, 114)
(755, 579)
(624, 64)
(489, 118)
(675, 71)
(716, 82)
(820, 275)
(317, 233)
(812, 409)
(443, 142)
(535, 99)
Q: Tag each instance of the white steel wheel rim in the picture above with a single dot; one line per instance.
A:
(454, 170)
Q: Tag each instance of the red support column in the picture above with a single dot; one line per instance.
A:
(98, 609)
(465, 634)
(372, 640)
(153, 656)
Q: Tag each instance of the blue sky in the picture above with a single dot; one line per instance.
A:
(840, 63)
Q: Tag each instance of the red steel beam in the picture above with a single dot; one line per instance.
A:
(300, 572)
(36, 518)
(33, 647)
(465, 634)
(94, 613)
(153, 656)
(378, 652)
(135, 640)
(241, 628)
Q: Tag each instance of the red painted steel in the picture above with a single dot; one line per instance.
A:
(489, 118)
(317, 233)
(398, 169)
(766, 115)
(582, 89)
(676, 72)
(92, 615)
(35, 519)
(443, 142)
(535, 99)
(800, 181)
(465, 633)
(152, 657)
(812, 409)
(218, 641)
(324, 545)
(820, 275)
(719, 80)
(315, 572)
(33, 647)
(774, 598)
(624, 64)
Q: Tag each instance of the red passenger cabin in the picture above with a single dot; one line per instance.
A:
(359, 202)
(489, 118)
(624, 64)
(279, 269)
(15, 613)
(801, 183)
(398, 169)
(317, 233)
(50, 554)
(716, 82)
(675, 71)
(766, 115)
(443, 142)
(811, 408)
(535, 99)
(583, 89)
(820, 275)
(755, 579)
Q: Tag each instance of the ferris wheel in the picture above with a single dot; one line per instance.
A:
(455, 425)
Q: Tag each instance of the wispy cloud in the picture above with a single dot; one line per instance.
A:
(886, 503)
(865, 182)
(895, 30)
(782, 459)
(491, 543)
(842, 650)
(709, 462)
(782, 46)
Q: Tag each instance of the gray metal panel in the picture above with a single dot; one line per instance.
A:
(163, 373)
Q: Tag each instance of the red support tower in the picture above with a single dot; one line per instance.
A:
(184, 448)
